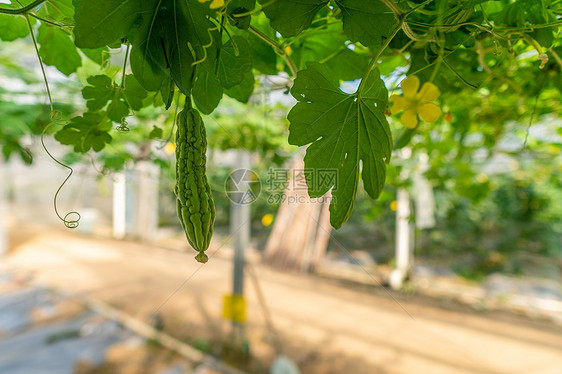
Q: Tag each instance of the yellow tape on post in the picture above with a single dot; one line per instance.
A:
(234, 308)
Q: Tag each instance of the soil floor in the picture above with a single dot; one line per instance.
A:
(324, 326)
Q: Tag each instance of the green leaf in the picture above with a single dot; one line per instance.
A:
(524, 13)
(134, 92)
(469, 4)
(10, 146)
(167, 91)
(348, 65)
(328, 45)
(240, 7)
(243, 91)
(234, 62)
(404, 138)
(148, 60)
(264, 57)
(291, 17)
(344, 130)
(86, 132)
(102, 90)
(12, 27)
(99, 92)
(163, 42)
(96, 55)
(57, 10)
(156, 133)
(176, 39)
(366, 21)
(207, 92)
(57, 49)
(101, 22)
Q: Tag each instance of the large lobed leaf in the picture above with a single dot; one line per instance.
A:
(102, 90)
(347, 133)
(102, 22)
(173, 35)
(89, 131)
(290, 17)
(363, 21)
(57, 49)
(366, 21)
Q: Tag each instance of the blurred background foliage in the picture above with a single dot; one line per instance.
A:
(494, 158)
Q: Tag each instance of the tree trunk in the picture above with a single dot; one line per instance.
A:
(302, 228)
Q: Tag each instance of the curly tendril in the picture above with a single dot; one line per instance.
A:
(205, 47)
(124, 126)
(56, 120)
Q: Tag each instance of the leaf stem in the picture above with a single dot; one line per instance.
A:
(280, 51)
(23, 9)
(377, 55)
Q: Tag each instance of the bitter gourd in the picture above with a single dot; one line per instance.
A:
(196, 209)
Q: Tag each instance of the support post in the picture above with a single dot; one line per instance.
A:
(119, 206)
(403, 239)
(404, 234)
(147, 200)
(240, 231)
(3, 209)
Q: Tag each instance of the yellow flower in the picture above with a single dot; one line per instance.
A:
(170, 148)
(267, 219)
(215, 4)
(414, 102)
(482, 178)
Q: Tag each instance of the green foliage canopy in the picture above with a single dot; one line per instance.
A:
(493, 61)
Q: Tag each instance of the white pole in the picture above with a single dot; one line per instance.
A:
(119, 206)
(404, 237)
(403, 230)
(147, 200)
(240, 231)
(3, 209)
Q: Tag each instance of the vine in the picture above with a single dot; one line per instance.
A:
(23, 9)
(177, 46)
(55, 120)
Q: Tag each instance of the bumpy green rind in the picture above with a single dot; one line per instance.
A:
(196, 209)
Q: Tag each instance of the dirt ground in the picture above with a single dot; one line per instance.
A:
(325, 327)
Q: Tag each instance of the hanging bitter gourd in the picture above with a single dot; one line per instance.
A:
(196, 209)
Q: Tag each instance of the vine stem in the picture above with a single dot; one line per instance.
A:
(119, 90)
(374, 60)
(533, 112)
(55, 119)
(125, 66)
(556, 57)
(23, 9)
(480, 51)
(277, 47)
(40, 62)
(394, 8)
